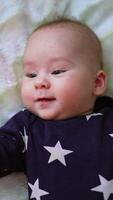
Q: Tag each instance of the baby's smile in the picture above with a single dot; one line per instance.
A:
(44, 102)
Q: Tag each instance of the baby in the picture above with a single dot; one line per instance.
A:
(62, 71)
(63, 139)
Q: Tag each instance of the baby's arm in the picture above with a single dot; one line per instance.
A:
(11, 146)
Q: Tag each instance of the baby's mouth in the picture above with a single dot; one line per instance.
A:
(45, 99)
(45, 102)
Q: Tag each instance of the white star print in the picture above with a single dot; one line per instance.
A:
(92, 114)
(25, 139)
(111, 134)
(57, 153)
(23, 109)
(36, 191)
(106, 187)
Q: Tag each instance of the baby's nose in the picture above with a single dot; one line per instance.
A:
(42, 83)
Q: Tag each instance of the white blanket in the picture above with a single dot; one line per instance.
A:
(18, 18)
(13, 187)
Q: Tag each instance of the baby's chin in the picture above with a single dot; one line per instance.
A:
(50, 114)
(44, 115)
(53, 116)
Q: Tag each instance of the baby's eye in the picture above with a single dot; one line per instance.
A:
(59, 71)
(31, 75)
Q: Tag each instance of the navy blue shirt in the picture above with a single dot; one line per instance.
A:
(69, 159)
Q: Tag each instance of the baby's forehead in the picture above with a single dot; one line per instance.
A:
(75, 29)
(81, 37)
(77, 34)
(70, 36)
(67, 25)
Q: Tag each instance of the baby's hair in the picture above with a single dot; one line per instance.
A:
(72, 23)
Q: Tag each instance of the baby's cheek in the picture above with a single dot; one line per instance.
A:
(26, 94)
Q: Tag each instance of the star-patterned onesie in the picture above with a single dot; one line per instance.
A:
(69, 159)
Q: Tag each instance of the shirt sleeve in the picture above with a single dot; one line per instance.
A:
(11, 147)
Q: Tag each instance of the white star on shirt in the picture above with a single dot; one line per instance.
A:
(111, 134)
(57, 153)
(106, 187)
(25, 139)
(36, 191)
(92, 114)
(23, 109)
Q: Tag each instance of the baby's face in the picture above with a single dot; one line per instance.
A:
(58, 82)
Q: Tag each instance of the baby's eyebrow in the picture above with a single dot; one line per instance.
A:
(28, 63)
(59, 59)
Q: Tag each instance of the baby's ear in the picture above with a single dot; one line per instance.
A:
(100, 83)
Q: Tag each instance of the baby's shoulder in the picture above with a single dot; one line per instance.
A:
(21, 119)
(24, 116)
(104, 105)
